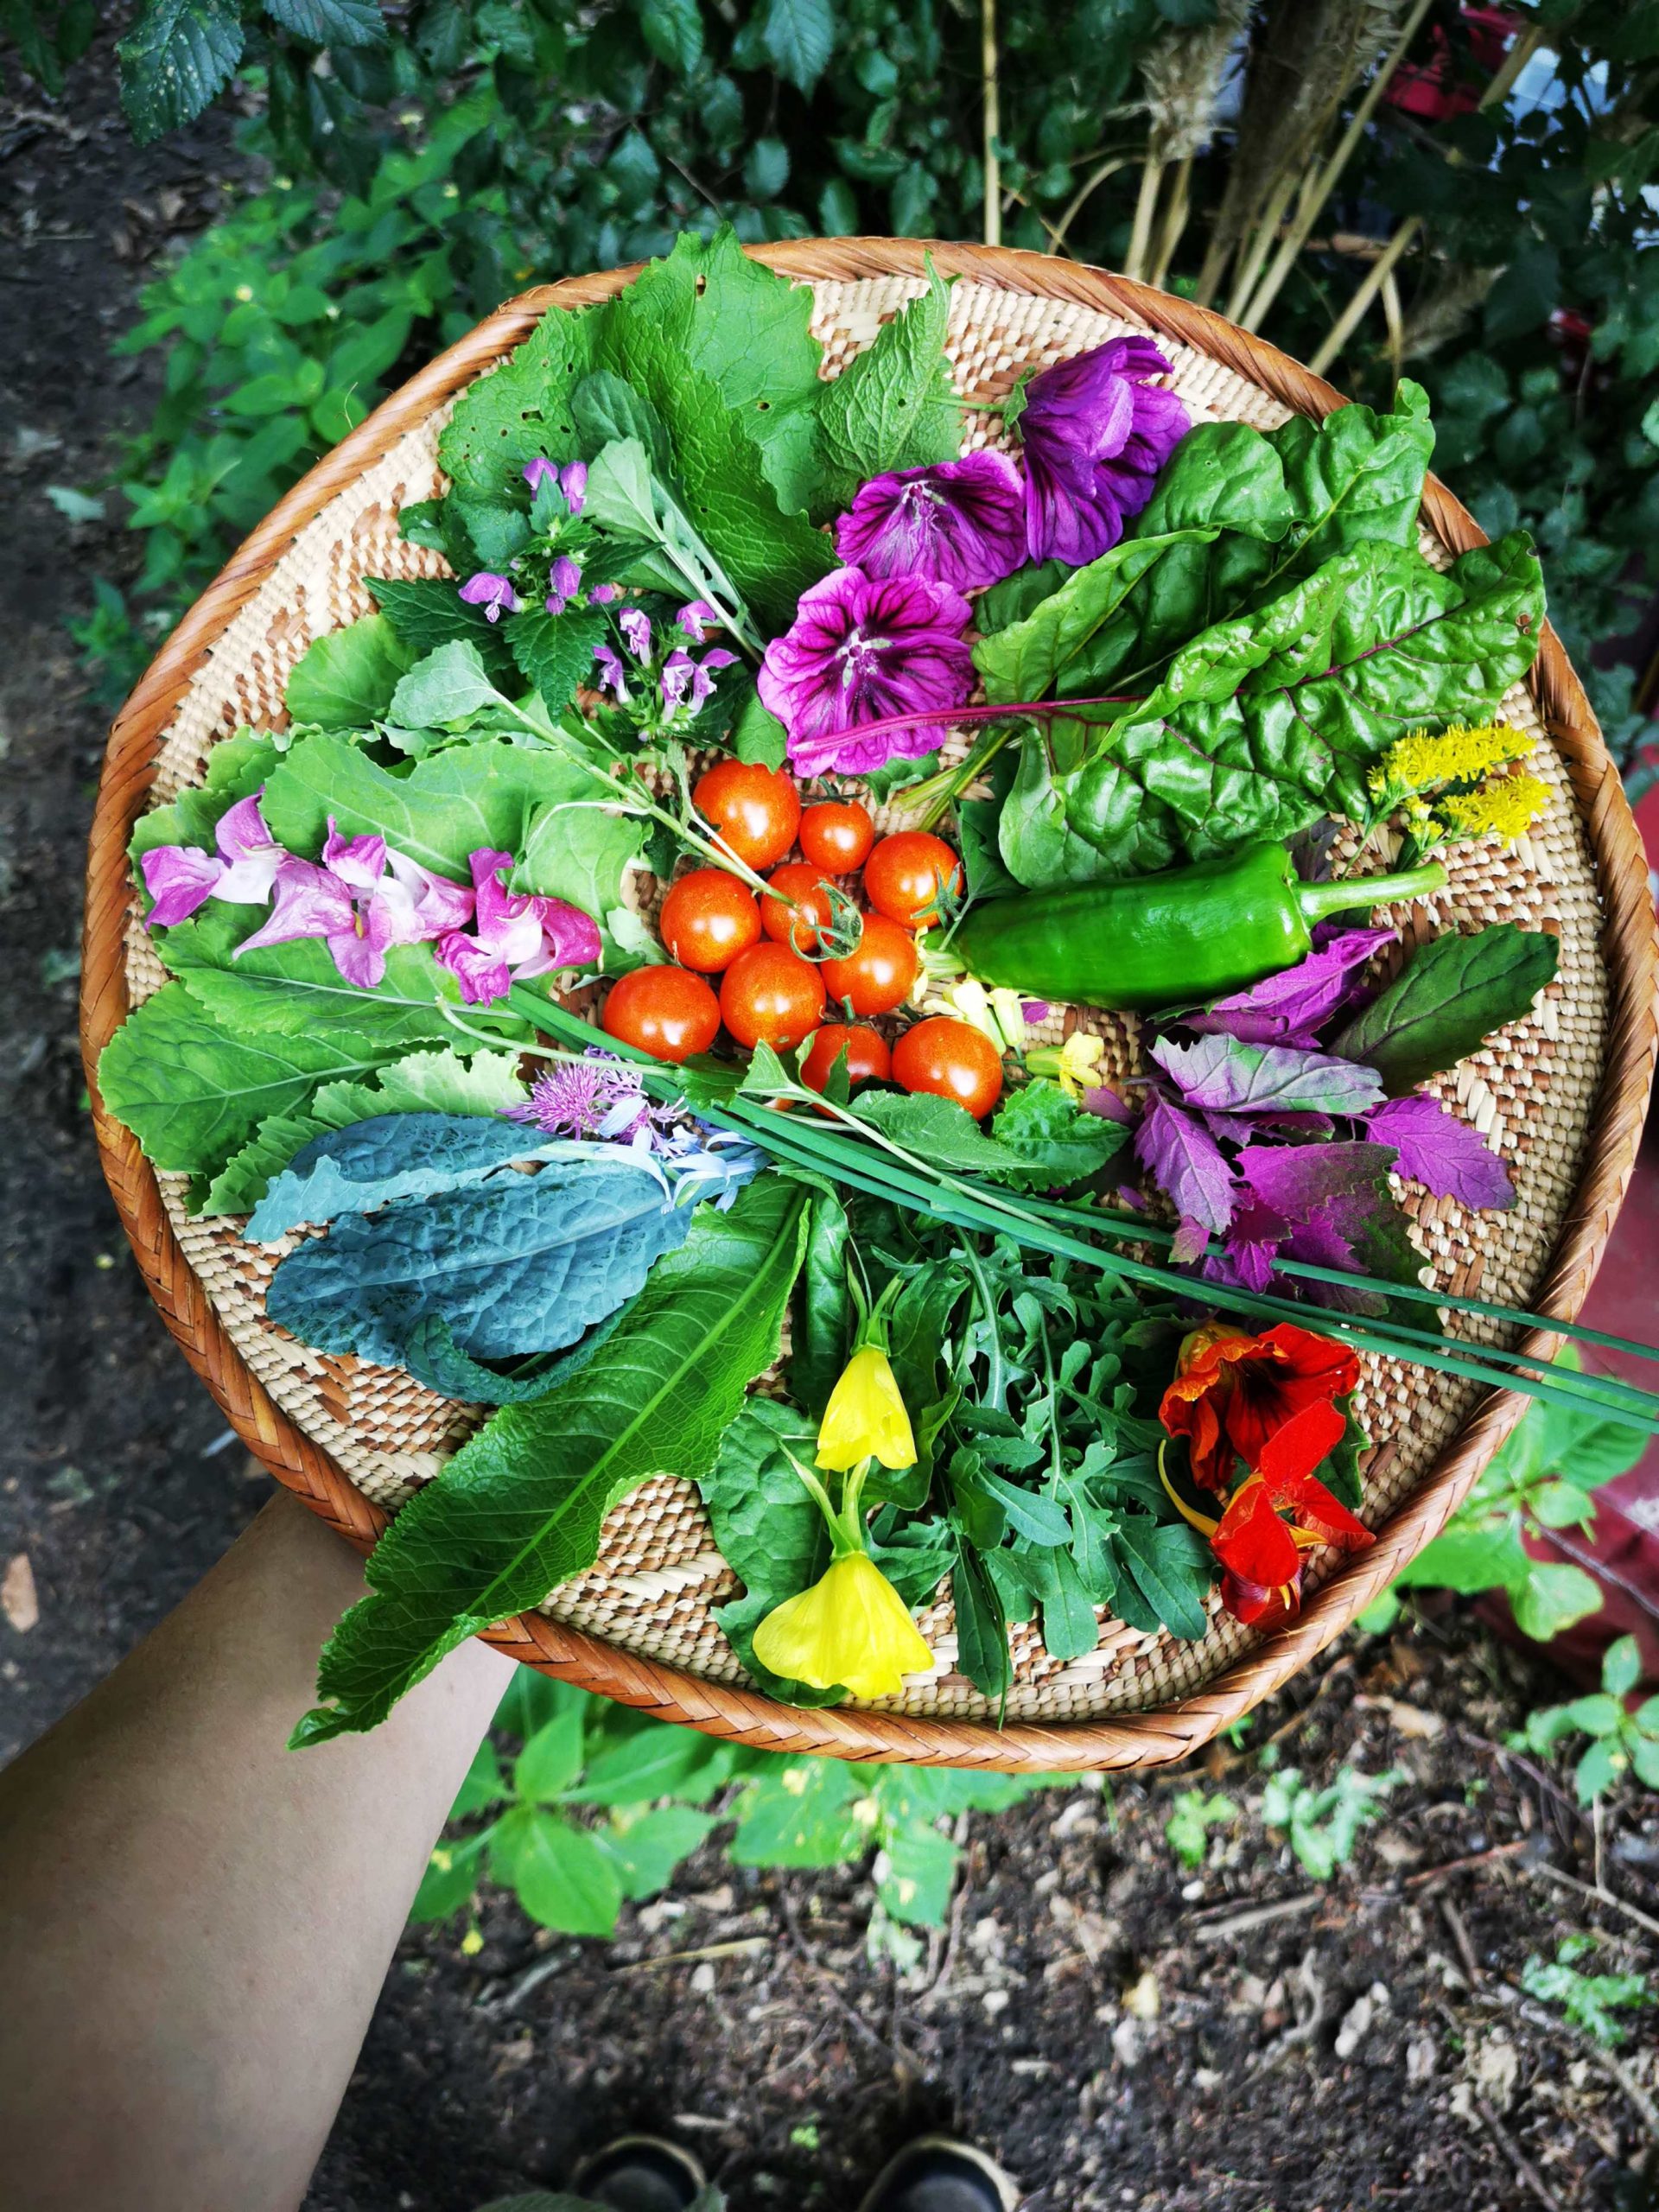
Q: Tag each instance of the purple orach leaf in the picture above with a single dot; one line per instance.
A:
(1190, 1239)
(1289, 1008)
(1187, 1163)
(1323, 1197)
(1219, 1075)
(1101, 1099)
(179, 879)
(1442, 1152)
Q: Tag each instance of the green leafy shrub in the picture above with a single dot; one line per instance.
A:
(600, 1803)
(1621, 1743)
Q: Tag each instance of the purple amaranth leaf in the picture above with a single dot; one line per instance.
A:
(1325, 1197)
(1442, 1152)
(1187, 1163)
(1190, 1238)
(1289, 1008)
(1219, 1075)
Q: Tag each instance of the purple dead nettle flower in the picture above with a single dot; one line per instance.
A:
(961, 523)
(572, 479)
(696, 618)
(687, 683)
(516, 935)
(604, 595)
(348, 899)
(495, 594)
(863, 649)
(635, 625)
(1095, 434)
(180, 878)
(565, 577)
(612, 676)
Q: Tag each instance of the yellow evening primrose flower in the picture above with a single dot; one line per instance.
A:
(850, 1628)
(1458, 755)
(865, 1418)
(1507, 808)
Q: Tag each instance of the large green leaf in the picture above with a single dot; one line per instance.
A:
(1448, 1000)
(522, 408)
(236, 766)
(768, 1529)
(1265, 721)
(190, 1090)
(346, 678)
(177, 55)
(1026, 659)
(893, 407)
(517, 1512)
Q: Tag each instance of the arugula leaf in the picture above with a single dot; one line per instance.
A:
(191, 1091)
(893, 407)
(940, 1131)
(1264, 722)
(982, 1624)
(1060, 1142)
(518, 1510)
(522, 408)
(513, 1263)
(346, 679)
(1450, 999)
(236, 766)
(1169, 1571)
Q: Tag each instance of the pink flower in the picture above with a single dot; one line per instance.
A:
(495, 594)
(1095, 434)
(516, 934)
(695, 619)
(960, 523)
(180, 878)
(863, 649)
(348, 899)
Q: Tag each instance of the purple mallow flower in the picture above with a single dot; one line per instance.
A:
(863, 649)
(961, 523)
(1095, 434)
(515, 934)
(180, 878)
(495, 594)
(347, 900)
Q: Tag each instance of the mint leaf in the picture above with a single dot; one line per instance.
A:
(1452, 998)
(893, 407)
(517, 1512)
(346, 679)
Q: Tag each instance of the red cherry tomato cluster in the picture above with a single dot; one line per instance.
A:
(769, 992)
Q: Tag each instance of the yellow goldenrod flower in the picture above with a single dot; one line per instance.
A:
(1458, 755)
(865, 1418)
(850, 1628)
(1074, 1066)
(1507, 807)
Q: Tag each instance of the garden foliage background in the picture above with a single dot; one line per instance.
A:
(1466, 192)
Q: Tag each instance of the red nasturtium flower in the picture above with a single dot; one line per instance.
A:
(1269, 1401)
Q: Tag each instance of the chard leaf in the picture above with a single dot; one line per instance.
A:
(518, 1510)
(514, 1264)
(1453, 997)
(893, 407)
(1027, 658)
(438, 812)
(1264, 722)
(346, 679)
(191, 1091)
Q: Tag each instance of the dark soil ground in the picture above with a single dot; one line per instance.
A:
(1122, 2031)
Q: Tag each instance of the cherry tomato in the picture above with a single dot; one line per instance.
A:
(770, 996)
(878, 975)
(903, 874)
(799, 925)
(708, 918)
(951, 1059)
(836, 836)
(663, 1011)
(757, 810)
(867, 1057)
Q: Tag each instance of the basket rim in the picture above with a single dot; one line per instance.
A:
(1157, 1736)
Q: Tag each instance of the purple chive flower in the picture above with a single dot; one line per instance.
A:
(604, 595)
(596, 1097)
(960, 523)
(863, 649)
(515, 934)
(180, 878)
(573, 482)
(612, 676)
(635, 625)
(495, 594)
(696, 617)
(1095, 434)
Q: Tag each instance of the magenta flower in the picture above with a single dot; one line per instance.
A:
(635, 625)
(687, 683)
(516, 934)
(1095, 433)
(612, 676)
(495, 594)
(696, 617)
(595, 1097)
(960, 523)
(347, 901)
(602, 594)
(572, 479)
(540, 471)
(180, 878)
(863, 649)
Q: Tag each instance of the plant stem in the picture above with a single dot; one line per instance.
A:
(993, 118)
(1152, 176)
(1251, 258)
(1174, 222)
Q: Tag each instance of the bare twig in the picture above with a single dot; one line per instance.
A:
(1429, 1875)
(1517, 2158)
(1152, 177)
(1458, 1929)
(832, 1988)
(993, 119)
(741, 1946)
(1597, 1896)
(1259, 1915)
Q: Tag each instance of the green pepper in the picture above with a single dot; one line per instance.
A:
(1152, 942)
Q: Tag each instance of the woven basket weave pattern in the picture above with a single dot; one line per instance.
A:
(1532, 1091)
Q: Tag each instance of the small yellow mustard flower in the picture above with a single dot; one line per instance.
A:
(865, 1418)
(472, 1943)
(1458, 755)
(851, 1627)
(1507, 808)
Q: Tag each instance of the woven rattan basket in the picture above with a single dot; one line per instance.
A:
(1563, 1094)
